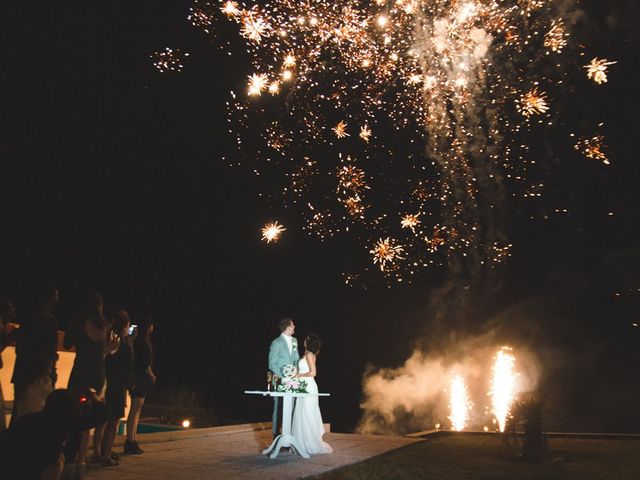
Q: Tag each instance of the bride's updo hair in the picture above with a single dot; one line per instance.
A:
(313, 343)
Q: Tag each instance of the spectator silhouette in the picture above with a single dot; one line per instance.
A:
(7, 315)
(119, 368)
(98, 432)
(143, 379)
(34, 374)
(89, 334)
(32, 448)
(40, 445)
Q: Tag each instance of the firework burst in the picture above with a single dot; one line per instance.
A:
(365, 133)
(597, 70)
(340, 129)
(533, 102)
(386, 251)
(230, 8)
(271, 232)
(257, 84)
(254, 27)
(410, 221)
(436, 80)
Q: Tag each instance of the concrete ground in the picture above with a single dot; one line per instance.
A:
(236, 452)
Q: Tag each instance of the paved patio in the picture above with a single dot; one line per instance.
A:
(235, 452)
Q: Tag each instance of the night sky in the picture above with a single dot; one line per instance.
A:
(115, 178)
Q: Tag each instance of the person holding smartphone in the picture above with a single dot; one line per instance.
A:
(143, 379)
(119, 370)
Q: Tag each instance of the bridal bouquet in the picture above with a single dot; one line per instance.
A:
(289, 383)
(292, 385)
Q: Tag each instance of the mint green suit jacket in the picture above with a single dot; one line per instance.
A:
(279, 355)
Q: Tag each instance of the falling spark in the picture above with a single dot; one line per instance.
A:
(556, 38)
(351, 186)
(597, 70)
(169, 60)
(352, 178)
(500, 252)
(503, 386)
(386, 251)
(592, 148)
(354, 206)
(202, 15)
(436, 240)
(459, 404)
(271, 232)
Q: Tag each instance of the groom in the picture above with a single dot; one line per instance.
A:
(283, 351)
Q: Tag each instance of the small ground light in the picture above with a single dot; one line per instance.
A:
(186, 423)
(486, 429)
(437, 426)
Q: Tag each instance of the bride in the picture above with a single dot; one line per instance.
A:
(307, 425)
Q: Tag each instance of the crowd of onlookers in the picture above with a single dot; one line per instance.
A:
(49, 432)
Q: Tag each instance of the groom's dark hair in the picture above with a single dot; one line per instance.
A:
(284, 323)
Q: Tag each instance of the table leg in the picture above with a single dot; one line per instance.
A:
(287, 413)
(274, 448)
(285, 439)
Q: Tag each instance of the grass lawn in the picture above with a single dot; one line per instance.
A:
(459, 457)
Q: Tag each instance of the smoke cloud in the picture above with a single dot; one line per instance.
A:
(414, 396)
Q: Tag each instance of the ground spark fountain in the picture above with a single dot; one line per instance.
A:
(503, 386)
(459, 404)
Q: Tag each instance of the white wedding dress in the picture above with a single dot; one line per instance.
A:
(306, 425)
